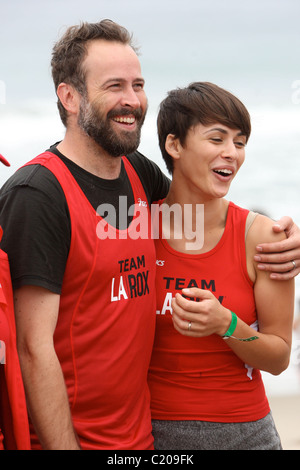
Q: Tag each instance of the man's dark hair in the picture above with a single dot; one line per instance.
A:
(70, 51)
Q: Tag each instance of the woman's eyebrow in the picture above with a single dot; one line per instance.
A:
(223, 131)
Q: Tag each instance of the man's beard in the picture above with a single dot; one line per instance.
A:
(99, 128)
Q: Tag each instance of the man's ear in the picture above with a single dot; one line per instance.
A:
(69, 97)
(173, 146)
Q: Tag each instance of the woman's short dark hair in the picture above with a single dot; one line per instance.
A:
(70, 51)
(199, 103)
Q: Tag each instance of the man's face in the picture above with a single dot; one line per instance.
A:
(114, 108)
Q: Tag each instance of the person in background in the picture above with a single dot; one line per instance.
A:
(14, 428)
(220, 320)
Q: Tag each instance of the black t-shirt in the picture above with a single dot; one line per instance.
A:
(35, 217)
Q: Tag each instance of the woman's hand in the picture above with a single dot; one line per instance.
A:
(203, 315)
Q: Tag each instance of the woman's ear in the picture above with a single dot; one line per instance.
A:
(173, 146)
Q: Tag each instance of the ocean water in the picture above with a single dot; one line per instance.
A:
(250, 48)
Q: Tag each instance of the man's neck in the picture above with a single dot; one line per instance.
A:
(82, 150)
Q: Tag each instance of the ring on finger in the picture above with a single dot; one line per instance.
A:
(294, 264)
(190, 326)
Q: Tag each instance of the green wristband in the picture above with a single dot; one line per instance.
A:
(232, 326)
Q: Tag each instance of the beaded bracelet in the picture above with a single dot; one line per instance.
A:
(245, 340)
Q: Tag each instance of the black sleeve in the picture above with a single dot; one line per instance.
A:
(155, 182)
(36, 228)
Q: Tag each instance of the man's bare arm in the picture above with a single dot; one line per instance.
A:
(36, 312)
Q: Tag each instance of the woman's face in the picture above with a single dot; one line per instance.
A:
(210, 158)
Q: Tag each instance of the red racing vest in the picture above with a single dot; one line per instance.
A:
(202, 378)
(105, 329)
(14, 428)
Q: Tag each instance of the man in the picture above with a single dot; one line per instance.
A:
(85, 306)
(96, 295)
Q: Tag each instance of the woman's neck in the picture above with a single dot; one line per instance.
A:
(196, 225)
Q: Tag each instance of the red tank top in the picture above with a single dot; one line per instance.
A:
(13, 411)
(4, 338)
(105, 330)
(201, 378)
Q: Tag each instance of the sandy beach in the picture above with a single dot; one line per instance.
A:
(286, 413)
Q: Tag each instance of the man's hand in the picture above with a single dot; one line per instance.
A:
(282, 258)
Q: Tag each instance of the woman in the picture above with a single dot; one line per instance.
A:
(226, 320)
(14, 428)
